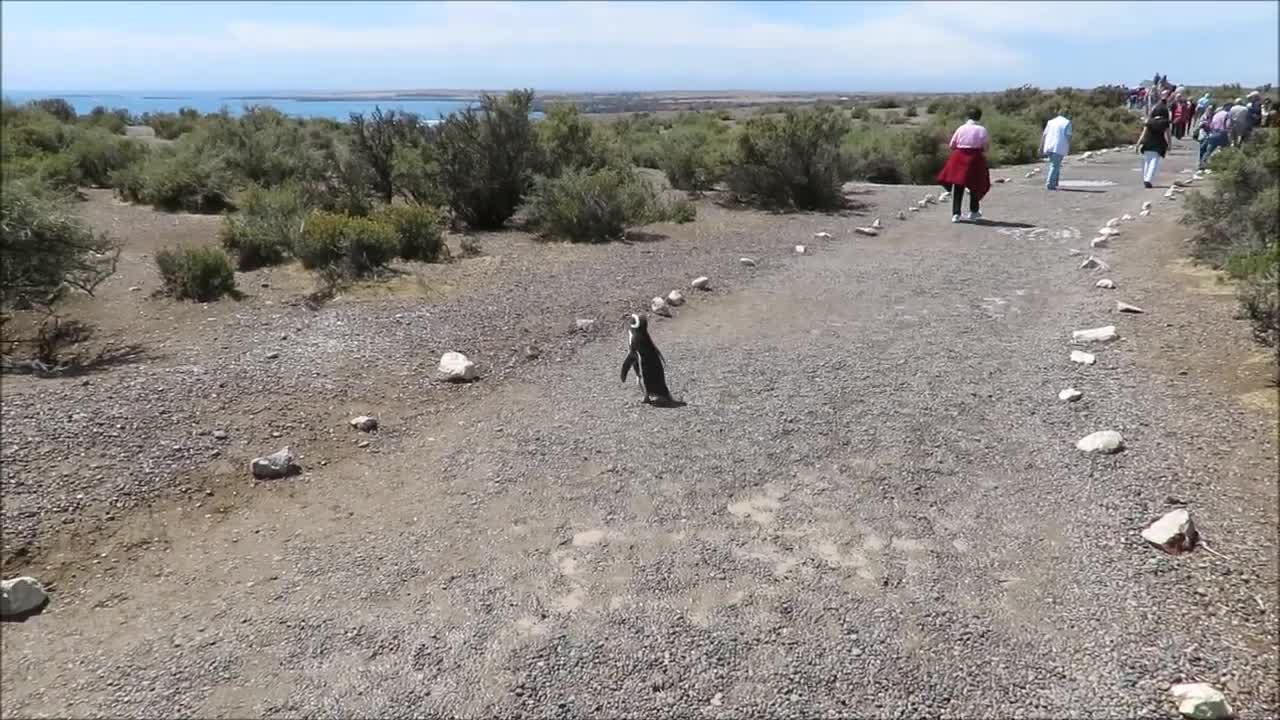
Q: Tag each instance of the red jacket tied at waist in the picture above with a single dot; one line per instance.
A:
(967, 168)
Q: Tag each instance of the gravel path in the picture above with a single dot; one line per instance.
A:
(872, 504)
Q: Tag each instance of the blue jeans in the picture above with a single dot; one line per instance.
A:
(1055, 169)
(1212, 143)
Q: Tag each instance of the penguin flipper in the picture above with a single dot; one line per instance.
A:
(628, 365)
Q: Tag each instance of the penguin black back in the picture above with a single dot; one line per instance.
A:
(644, 357)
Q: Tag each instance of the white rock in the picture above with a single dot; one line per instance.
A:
(584, 324)
(21, 595)
(876, 224)
(1109, 231)
(1074, 252)
(701, 283)
(1028, 174)
(1094, 262)
(1100, 334)
(1083, 358)
(944, 196)
(1070, 395)
(902, 215)
(1113, 222)
(1146, 205)
(1126, 217)
(1100, 241)
(822, 235)
(135, 288)
(1169, 193)
(365, 423)
(922, 204)
(1127, 308)
(1201, 701)
(675, 298)
(749, 262)
(913, 209)
(928, 200)
(658, 306)
(456, 367)
(276, 465)
(1087, 155)
(1144, 213)
(1106, 442)
(800, 249)
(1105, 284)
(1174, 533)
(1208, 171)
(866, 231)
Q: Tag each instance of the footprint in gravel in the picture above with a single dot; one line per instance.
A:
(759, 508)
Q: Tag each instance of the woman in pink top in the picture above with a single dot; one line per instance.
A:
(966, 168)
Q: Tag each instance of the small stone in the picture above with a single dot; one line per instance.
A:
(675, 298)
(922, 204)
(800, 249)
(1109, 231)
(717, 700)
(1146, 205)
(913, 209)
(272, 355)
(584, 325)
(1074, 252)
(1100, 334)
(701, 283)
(1106, 442)
(867, 231)
(1126, 217)
(822, 235)
(1201, 701)
(1113, 222)
(1070, 395)
(1028, 174)
(1094, 262)
(749, 262)
(1082, 358)
(135, 288)
(1144, 213)
(1100, 241)
(658, 306)
(277, 465)
(1001, 180)
(876, 224)
(219, 434)
(21, 595)
(1174, 532)
(902, 215)
(1169, 194)
(365, 423)
(1127, 308)
(944, 196)
(531, 352)
(1105, 284)
(659, 681)
(455, 367)
(362, 444)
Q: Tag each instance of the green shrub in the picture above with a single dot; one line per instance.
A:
(171, 126)
(196, 273)
(266, 227)
(130, 182)
(792, 161)
(486, 158)
(185, 180)
(912, 111)
(349, 246)
(46, 249)
(567, 140)
(683, 211)
(885, 103)
(57, 107)
(97, 154)
(693, 156)
(419, 231)
(1014, 141)
(1259, 296)
(585, 206)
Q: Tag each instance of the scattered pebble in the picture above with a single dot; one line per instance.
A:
(876, 224)
(1126, 217)
(584, 325)
(1174, 532)
(1070, 395)
(1127, 308)
(1113, 222)
(675, 298)
(1100, 241)
(272, 355)
(1144, 213)
(1108, 231)
(902, 215)
(867, 231)
(749, 262)
(1105, 284)
(1094, 262)
(800, 249)
(658, 306)
(455, 367)
(1146, 205)
(701, 283)
(1106, 442)
(822, 235)
(364, 423)
(135, 288)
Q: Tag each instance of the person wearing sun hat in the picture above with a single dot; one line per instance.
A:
(1238, 132)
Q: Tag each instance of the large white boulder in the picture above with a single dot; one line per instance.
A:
(1103, 441)
(1201, 701)
(1174, 532)
(455, 367)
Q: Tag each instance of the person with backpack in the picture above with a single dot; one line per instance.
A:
(1154, 142)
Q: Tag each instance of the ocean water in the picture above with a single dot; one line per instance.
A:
(306, 105)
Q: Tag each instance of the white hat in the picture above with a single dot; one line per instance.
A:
(1254, 94)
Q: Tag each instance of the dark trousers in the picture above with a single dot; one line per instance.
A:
(957, 194)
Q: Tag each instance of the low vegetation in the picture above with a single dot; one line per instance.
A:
(202, 274)
(583, 205)
(1237, 228)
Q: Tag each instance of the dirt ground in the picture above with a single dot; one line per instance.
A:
(872, 483)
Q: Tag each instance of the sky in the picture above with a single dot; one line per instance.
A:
(575, 46)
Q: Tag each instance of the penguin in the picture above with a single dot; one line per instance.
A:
(645, 358)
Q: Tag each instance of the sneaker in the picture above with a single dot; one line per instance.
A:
(955, 218)
(1146, 185)
(974, 216)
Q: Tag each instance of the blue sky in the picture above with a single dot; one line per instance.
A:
(874, 46)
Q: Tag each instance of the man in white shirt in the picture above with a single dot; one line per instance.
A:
(1055, 145)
